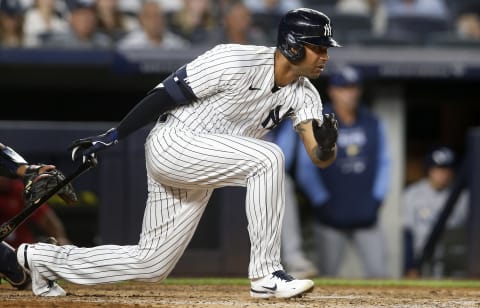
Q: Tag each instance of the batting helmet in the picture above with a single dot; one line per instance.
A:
(303, 26)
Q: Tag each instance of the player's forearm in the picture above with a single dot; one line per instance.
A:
(321, 157)
(12, 161)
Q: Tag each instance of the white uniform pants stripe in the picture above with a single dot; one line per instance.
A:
(183, 169)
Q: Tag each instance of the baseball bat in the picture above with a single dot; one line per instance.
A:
(13, 223)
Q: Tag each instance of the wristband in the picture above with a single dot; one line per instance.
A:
(323, 153)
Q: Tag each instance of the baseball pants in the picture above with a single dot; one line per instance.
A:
(369, 244)
(183, 168)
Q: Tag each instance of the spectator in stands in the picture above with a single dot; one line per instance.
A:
(424, 200)
(11, 23)
(83, 31)
(171, 6)
(195, 21)
(237, 26)
(278, 7)
(44, 218)
(430, 8)
(347, 196)
(42, 21)
(373, 8)
(153, 32)
(467, 22)
(112, 21)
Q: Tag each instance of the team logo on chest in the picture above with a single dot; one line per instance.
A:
(275, 118)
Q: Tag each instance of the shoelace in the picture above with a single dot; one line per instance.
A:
(283, 275)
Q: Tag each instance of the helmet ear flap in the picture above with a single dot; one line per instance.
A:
(293, 50)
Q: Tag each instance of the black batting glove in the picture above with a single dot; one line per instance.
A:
(88, 147)
(326, 136)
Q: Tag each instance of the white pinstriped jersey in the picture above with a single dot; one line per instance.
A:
(234, 86)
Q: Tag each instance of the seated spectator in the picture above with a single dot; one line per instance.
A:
(11, 23)
(467, 23)
(273, 6)
(42, 21)
(195, 21)
(113, 22)
(373, 8)
(237, 26)
(83, 31)
(430, 8)
(153, 32)
(171, 5)
(423, 201)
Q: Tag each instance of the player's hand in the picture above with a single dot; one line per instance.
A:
(88, 147)
(326, 135)
(41, 179)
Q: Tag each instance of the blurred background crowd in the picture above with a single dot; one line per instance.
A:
(176, 24)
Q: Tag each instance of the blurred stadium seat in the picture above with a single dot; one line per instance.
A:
(450, 40)
(369, 39)
(345, 24)
(419, 27)
(325, 6)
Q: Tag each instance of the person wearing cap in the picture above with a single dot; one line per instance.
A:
(424, 200)
(83, 31)
(11, 23)
(347, 196)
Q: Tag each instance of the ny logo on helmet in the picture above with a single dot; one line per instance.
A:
(327, 30)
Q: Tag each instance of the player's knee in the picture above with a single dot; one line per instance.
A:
(273, 157)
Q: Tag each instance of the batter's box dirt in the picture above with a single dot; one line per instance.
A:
(162, 295)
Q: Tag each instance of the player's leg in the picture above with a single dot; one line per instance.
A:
(331, 245)
(10, 270)
(292, 252)
(180, 157)
(170, 219)
(214, 160)
(371, 246)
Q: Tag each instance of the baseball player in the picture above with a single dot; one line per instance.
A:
(211, 115)
(34, 177)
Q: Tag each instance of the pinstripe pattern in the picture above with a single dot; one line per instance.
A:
(170, 219)
(213, 142)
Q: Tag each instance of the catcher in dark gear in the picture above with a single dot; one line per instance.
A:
(38, 179)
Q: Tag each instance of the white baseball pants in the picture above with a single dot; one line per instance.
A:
(183, 168)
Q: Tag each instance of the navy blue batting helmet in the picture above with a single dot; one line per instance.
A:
(303, 26)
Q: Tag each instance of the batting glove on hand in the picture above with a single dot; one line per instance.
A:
(326, 135)
(88, 147)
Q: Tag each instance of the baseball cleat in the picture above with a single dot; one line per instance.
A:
(40, 285)
(280, 285)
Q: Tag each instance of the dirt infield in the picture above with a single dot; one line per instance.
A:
(160, 295)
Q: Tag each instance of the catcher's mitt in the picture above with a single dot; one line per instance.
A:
(38, 184)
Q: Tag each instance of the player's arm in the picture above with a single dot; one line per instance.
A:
(16, 164)
(320, 141)
(168, 95)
